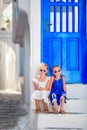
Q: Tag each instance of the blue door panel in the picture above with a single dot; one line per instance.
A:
(73, 54)
(63, 37)
(56, 52)
(53, 53)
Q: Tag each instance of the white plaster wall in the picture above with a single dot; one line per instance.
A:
(35, 35)
(3, 68)
(32, 8)
(9, 66)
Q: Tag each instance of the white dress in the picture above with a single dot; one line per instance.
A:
(40, 95)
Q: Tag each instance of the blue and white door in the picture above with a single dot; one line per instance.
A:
(63, 36)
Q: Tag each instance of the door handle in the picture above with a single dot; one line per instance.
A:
(47, 25)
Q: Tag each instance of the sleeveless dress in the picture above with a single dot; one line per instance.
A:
(57, 89)
(40, 95)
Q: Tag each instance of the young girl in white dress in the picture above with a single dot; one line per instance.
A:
(41, 85)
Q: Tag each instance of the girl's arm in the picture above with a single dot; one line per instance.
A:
(49, 83)
(64, 84)
(35, 86)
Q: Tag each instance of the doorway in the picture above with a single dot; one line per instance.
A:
(63, 36)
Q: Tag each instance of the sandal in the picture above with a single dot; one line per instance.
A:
(46, 111)
(62, 112)
(38, 110)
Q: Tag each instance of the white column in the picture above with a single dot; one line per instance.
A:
(26, 67)
(35, 48)
(35, 35)
(17, 65)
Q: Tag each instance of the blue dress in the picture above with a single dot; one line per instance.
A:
(57, 89)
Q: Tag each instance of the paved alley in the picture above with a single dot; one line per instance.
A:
(12, 112)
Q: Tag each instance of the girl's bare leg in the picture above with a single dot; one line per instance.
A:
(55, 107)
(37, 102)
(46, 110)
(62, 106)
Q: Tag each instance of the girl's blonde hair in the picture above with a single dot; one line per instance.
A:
(43, 64)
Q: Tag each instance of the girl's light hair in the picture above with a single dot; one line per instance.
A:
(55, 67)
(43, 64)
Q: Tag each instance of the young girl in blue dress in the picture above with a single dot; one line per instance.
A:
(58, 90)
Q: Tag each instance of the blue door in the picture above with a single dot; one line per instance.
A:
(63, 36)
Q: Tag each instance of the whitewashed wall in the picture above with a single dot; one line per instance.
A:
(31, 51)
(32, 8)
(9, 56)
(35, 35)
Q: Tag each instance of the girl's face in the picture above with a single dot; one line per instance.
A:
(56, 71)
(43, 70)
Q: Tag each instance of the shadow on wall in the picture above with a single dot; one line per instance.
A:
(21, 61)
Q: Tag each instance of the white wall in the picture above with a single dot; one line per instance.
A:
(3, 67)
(31, 50)
(35, 35)
(32, 8)
(8, 71)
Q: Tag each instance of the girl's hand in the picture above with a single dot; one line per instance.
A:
(35, 85)
(41, 89)
(49, 83)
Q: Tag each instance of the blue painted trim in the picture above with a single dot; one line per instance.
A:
(41, 52)
(79, 18)
(54, 19)
(84, 43)
(60, 18)
(73, 19)
(66, 18)
(64, 4)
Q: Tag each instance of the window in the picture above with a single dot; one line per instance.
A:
(64, 16)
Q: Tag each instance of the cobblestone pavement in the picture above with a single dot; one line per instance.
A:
(11, 111)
